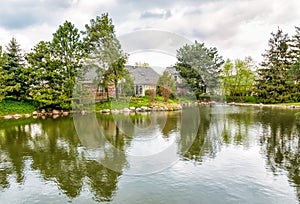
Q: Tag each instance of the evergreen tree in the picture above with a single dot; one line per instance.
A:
(105, 51)
(68, 49)
(273, 85)
(15, 68)
(200, 67)
(47, 90)
(56, 66)
(294, 72)
(5, 77)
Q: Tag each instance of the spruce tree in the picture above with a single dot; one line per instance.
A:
(5, 77)
(15, 68)
(294, 72)
(273, 85)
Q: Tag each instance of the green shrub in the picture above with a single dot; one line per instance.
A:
(150, 92)
(10, 106)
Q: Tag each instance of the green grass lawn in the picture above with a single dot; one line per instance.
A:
(133, 102)
(9, 106)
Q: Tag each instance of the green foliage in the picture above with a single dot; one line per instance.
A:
(166, 86)
(15, 74)
(140, 64)
(275, 84)
(67, 48)
(200, 67)
(55, 67)
(136, 102)
(238, 78)
(9, 106)
(105, 53)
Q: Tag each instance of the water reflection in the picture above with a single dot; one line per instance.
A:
(53, 148)
(279, 139)
(75, 157)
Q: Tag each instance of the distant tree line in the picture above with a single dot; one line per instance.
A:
(48, 73)
(275, 80)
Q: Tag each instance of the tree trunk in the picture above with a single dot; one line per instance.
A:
(107, 94)
(117, 90)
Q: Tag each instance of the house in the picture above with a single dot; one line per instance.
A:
(92, 84)
(175, 74)
(145, 78)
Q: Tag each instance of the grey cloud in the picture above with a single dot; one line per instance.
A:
(21, 14)
(150, 14)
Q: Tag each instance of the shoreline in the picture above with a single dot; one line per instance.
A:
(291, 106)
(143, 109)
(56, 113)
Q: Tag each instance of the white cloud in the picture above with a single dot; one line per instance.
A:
(237, 28)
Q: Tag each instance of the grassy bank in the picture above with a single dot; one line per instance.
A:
(9, 106)
(136, 102)
(277, 104)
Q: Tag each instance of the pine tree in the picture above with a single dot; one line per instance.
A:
(294, 72)
(105, 52)
(68, 49)
(56, 66)
(17, 71)
(273, 85)
(200, 67)
(5, 77)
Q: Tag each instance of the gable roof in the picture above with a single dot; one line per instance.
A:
(172, 70)
(143, 75)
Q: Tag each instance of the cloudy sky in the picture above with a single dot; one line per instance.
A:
(238, 28)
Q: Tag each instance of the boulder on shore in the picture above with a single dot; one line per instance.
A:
(26, 115)
(126, 110)
(35, 113)
(17, 116)
(55, 112)
(7, 116)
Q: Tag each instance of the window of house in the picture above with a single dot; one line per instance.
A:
(175, 78)
(136, 90)
(141, 90)
(101, 89)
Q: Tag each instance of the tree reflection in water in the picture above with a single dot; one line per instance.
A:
(280, 143)
(55, 153)
(55, 150)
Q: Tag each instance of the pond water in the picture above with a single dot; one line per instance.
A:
(218, 154)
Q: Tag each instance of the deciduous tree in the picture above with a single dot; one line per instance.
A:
(166, 85)
(238, 78)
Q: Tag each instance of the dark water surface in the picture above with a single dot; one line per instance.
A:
(218, 154)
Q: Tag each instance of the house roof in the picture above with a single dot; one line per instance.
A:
(89, 76)
(143, 75)
(172, 70)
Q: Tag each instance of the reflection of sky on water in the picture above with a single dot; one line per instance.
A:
(153, 144)
(34, 130)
